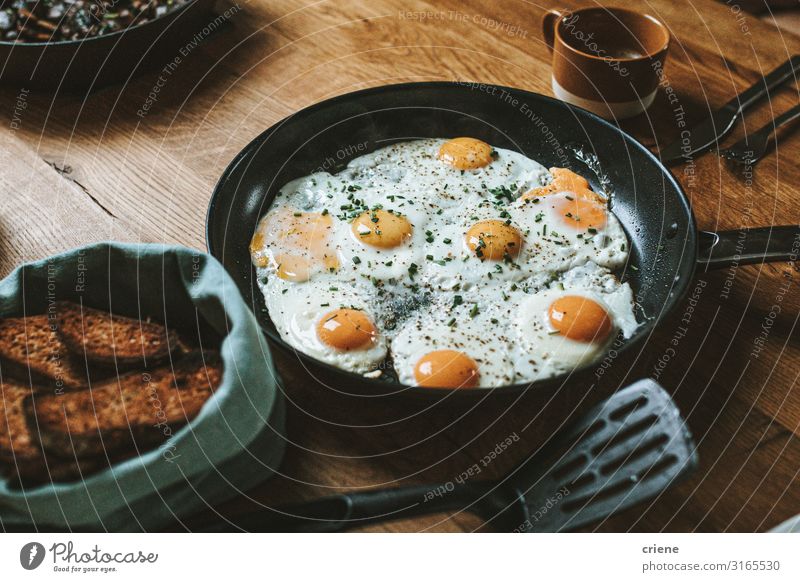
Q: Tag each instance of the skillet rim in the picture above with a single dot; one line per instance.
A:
(685, 276)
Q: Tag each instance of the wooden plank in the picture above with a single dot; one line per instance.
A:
(44, 210)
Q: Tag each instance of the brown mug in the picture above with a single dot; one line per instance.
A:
(606, 60)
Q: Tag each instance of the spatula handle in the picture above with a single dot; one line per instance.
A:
(342, 512)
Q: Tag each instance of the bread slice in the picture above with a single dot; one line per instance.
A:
(17, 444)
(31, 351)
(140, 409)
(21, 456)
(113, 339)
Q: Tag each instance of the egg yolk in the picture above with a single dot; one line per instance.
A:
(292, 268)
(257, 250)
(346, 330)
(295, 244)
(565, 180)
(382, 229)
(580, 213)
(580, 319)
(446, 369)
(466, 153)
(494, 240)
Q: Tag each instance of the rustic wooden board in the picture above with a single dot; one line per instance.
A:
(78, 170)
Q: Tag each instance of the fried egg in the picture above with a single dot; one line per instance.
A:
(328, 321)
(453, 346)
(446, 256)
(382, 243)
(295, 245)
(570, 324)
(566, 213)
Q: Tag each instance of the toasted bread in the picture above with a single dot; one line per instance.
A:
(20, 452)
(113, 339)
(21, 456)
(140, 409)
(17, 444)
(31, 351)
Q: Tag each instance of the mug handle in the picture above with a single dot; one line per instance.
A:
(549, 27)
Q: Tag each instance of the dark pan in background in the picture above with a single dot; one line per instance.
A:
(649, 202)
(92, 63)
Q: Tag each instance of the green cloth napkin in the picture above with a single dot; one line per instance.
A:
(234, 443)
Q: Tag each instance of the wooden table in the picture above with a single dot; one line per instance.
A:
(80, 170)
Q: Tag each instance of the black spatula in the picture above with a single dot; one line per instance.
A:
(623, 452)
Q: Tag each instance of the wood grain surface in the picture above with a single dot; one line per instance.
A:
(81, 169)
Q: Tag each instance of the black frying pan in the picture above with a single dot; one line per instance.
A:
(666, 247)
(77, 65)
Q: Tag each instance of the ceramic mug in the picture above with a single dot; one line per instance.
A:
(606, 60)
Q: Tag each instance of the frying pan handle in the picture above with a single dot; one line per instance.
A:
(747, 246)
(343, 512)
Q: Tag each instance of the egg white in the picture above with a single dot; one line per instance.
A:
(297, 308)
(461, 332)
(432, 292)
(539, 351)
(360, 260)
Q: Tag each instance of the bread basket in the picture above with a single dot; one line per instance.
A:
(234, 443)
